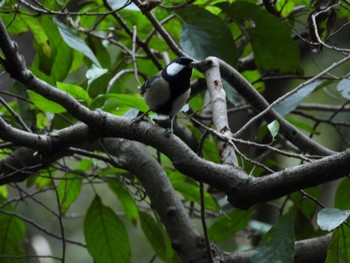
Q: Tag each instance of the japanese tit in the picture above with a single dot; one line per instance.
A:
(168, 91)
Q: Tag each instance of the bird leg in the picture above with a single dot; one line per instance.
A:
(140, 118)
(170, 130)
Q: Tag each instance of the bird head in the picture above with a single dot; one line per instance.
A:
(180, 66)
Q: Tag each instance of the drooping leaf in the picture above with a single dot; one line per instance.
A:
(157, 237)
(330, 218)
(12, 234)
(278, 243)
(342, 195)
(229, 224)
(204, 34)
(344, 88)
(338, 249)
(100, 50)
(273, 47)
(106, 236)
(68, 190)
(75, 41)
(39, 34)
(290, 103)
(191, 193)
(62, 61)
(44, 104)
(274, 128)
(126, 200)
(74, 90)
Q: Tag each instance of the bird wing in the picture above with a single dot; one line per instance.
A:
(149, 83)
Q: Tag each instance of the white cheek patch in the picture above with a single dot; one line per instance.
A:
(174, 68)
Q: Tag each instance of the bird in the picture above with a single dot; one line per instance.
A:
(168, 91)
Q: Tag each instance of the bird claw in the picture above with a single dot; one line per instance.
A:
(139, 118)
(168, 132)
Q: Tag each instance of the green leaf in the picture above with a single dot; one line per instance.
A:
(204, 34)
(278, 243)
(342, 195)
(94, 73)
(39, 34)
(274, 128)
(344, 88)
(44, 104)
(12, 234)
(229, 224)
(330, 218)
(338, 249)
(3, 192)
(299, 124)
(62, 62)
(304, 209)
(106, 236)
(68, 190)
(126, 200)
(210, 151)
(290, 103)
(273, 47)
(74, 90)
(17, 26)
(75, 41)
(128, 100)
(100, 50)
(285, 7)
(156, 236)
(191, 193)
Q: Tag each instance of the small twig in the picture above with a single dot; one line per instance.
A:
(288, 94)
(312, 198)
(255, 144)
(59, 217)
(314, 24)
(14, 114)
(151, 34)
(202, 200)
(134, 36)
(157, 26)
(142, 44)
(60, 13)
(39, 227)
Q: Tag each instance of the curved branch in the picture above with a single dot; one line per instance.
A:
(185, 240)
(304, 251)
(230, 180)
(242, 190)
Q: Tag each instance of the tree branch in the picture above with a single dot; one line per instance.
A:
(219, 112)
(304, 251)
(243, 87)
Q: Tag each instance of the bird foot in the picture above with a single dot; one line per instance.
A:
(139, 118)
(168, 132)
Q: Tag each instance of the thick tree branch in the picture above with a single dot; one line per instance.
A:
(219, 113)
(304, 252)
(133, 156)
(242, 190)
